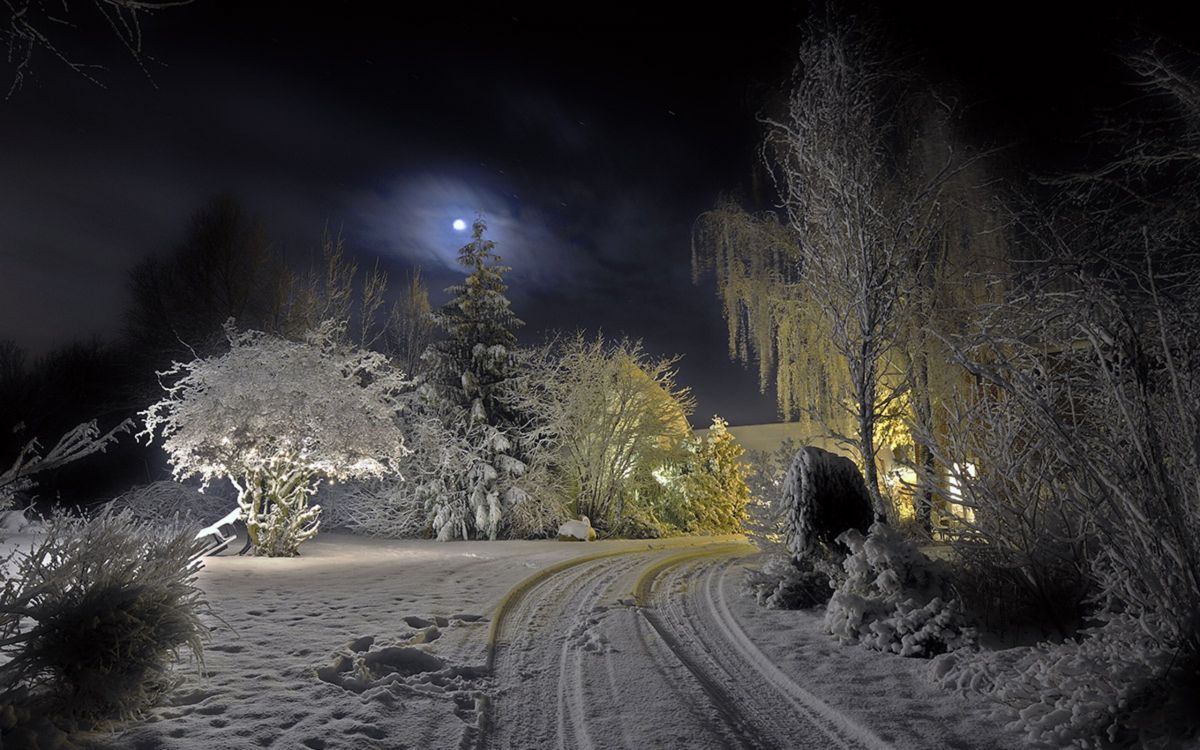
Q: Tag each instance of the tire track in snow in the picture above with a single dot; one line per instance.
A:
(555, 711)
(691, 601)
(548, 695)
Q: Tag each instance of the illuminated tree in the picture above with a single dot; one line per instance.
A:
(275, 417)
(716, 486)
(828, 292)
(611, 414)
(411, 328)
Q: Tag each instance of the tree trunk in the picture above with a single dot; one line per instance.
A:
(922, 455)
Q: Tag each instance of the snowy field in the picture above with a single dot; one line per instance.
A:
(364, 643)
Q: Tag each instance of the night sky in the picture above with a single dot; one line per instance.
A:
(589, 145)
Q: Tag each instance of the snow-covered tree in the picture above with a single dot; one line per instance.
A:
(612, 415)
(828, 292)
(715, 484)
(473, 464)
(275, 417)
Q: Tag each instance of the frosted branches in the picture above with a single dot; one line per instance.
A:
(35, 25)
(276, 416)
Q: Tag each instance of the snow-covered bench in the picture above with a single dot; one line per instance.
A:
(218, 537)
(15, 521)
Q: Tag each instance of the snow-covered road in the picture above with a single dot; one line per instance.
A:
(640, 650)
(381, 644)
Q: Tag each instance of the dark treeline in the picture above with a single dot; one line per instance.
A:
(225, 266)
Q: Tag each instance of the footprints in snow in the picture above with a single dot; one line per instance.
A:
(408, 668)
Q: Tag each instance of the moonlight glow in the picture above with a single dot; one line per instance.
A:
(459, 225)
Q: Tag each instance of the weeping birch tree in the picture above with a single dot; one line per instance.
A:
(822, 290)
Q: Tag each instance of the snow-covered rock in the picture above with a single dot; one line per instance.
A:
(577, 531)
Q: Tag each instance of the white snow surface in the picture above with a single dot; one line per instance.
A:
(374, 643)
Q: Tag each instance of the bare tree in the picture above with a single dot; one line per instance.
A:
(410, 327)
(226, 267)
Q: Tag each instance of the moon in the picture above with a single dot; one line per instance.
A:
(459, 225)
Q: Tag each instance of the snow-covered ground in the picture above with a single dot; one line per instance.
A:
(365, 643)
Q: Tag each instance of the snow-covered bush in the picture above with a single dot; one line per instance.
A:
(167, 501)
(389, 507)
(787, 583)
(894, 599)
(92, 617)
(612, 424)
(1111, 685)
(825, 495)
(275, 417)
(1022, 534)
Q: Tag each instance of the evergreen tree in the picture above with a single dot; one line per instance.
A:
(466, 373)
(716, 486)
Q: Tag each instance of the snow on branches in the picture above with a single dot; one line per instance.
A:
(276, 416)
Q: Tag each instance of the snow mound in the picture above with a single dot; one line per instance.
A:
(577, 531)
(1083, 692)
(825, 495)
(894, 599)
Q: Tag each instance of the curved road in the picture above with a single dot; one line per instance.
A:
(641, 650)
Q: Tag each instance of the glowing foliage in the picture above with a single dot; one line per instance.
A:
(716, 486)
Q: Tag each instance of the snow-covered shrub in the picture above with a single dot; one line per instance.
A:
(894, 599)
(387, 507)
(825, 495)
(275, 417)
(613, 425)
(1113, 684)
(1022, 533)
(785, 582)
(80, 442)
(167, 501)
(91, 619)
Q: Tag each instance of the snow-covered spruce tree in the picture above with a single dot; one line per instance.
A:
(276, 417)
(472, 476)
(716, 483)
